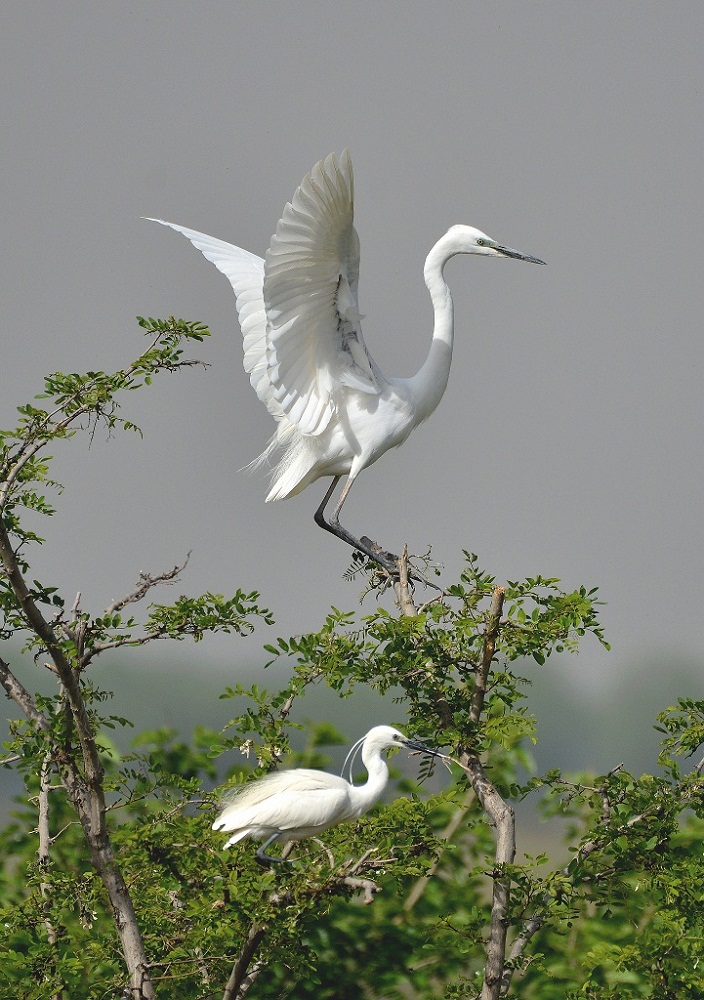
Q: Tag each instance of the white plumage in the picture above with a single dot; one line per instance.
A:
(291, 805)
(303, 345)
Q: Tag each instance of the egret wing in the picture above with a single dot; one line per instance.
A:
(286, 800)
(245, 272)
(314, 336)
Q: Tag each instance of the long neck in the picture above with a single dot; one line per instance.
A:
(371, 791)
(430, 382)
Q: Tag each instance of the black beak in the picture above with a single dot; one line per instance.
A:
(417, 747)
(508, 252)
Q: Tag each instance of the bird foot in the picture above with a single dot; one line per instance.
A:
(385, 559)
(392, 563)
(266, 860)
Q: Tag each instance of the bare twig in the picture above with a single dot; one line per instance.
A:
(365, 885)
(144, 585)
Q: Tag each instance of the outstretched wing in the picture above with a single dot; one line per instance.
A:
(245, 272)
(298, 309)
(314, 337)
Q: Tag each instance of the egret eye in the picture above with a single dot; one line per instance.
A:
(481, 243)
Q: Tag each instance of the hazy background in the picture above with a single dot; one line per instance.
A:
(569, 441)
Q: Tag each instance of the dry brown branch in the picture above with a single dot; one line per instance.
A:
(144, 585)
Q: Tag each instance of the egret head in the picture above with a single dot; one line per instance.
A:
(467, 239)
(383, 738)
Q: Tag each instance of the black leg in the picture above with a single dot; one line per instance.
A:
(265, 859)
(364, 545)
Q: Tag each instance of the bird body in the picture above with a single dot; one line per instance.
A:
(304, 351)
(373, 424)
(292, 805)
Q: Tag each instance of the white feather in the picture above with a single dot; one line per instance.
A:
(302, 336)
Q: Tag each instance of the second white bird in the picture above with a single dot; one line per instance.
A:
(292, 805)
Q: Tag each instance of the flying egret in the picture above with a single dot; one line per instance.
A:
(292, 805)
(303, 347)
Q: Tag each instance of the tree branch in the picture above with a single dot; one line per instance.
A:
(15, 691)
(502, 818)
(401, 586)
(84, 789)
(499, 812)
(240, 979)
(144, 585)
(488, 650)
(43, 849)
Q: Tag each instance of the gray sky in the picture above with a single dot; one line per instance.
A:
(569, 441)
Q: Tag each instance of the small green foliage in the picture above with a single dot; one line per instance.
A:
(620, 916)
(197, 616)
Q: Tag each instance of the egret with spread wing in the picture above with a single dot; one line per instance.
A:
(292, 805)
(304, 352)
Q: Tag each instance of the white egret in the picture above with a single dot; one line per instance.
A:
(292, 805)
(303, 345)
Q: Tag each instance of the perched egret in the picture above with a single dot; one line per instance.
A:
(303, 347)
(292, 805)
